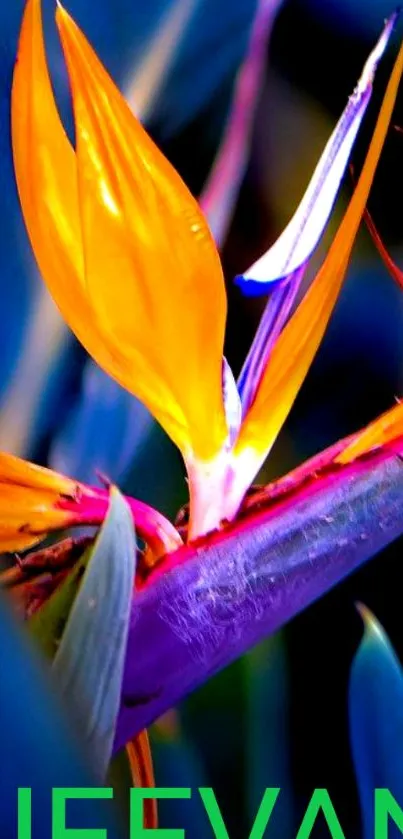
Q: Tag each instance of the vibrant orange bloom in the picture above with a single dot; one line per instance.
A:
(129, 259)
(119, 240)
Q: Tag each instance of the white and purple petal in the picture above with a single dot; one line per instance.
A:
(281, 269)
(299, 239)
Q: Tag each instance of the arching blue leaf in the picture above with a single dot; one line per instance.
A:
(103, 430)
(39, 749)
(376, 720)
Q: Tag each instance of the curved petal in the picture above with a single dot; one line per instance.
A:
(44, 161)
(153, 277)
(297, 345)
(46, 175)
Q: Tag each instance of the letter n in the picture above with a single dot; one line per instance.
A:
(386, 807)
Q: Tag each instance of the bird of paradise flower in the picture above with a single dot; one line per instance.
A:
(129, 259)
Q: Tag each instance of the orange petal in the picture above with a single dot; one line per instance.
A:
(141, 767)
(46, 174)
(383, 430)
(297, 345)
(14, 470)
(44, 162)
(153, 276)
(31, 502)
(27, 515)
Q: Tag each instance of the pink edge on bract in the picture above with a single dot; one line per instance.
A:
(157, 531)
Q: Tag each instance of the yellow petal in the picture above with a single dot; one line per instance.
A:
(383, 430)
(153, 277)
(297, 345)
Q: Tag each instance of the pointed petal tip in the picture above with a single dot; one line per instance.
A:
(61, 14)
(255, 288)
(63, 18)
(372, 626)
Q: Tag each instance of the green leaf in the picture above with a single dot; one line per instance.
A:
(47, 624)
(88, 666)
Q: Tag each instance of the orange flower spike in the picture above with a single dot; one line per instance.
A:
(152, 272)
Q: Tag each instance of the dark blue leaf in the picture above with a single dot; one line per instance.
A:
(268, 732)
(103, 431)
(38, 747)
(376, 720)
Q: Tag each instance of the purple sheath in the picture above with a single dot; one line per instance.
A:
(216, 599)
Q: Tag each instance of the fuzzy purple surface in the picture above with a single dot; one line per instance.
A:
(213, 601)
